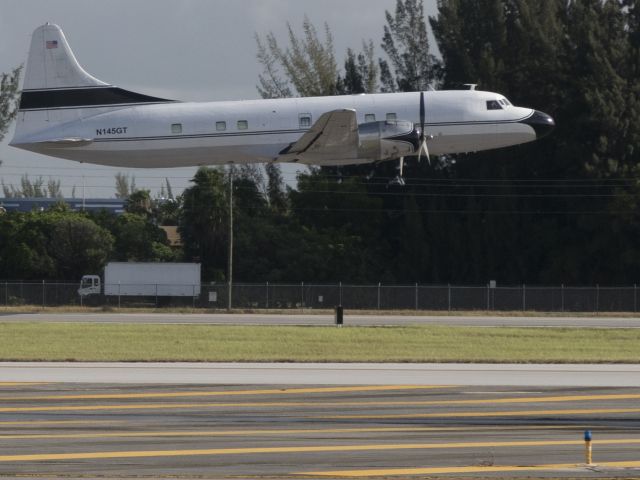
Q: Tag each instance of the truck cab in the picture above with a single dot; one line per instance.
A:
(89, 285)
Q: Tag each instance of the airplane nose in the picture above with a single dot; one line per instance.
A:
(540, 122)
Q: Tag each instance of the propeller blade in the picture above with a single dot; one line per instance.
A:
(422, 115)
(423, 138)
(424, 148)
(426, 151)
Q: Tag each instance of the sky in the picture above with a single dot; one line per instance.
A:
(191, 50)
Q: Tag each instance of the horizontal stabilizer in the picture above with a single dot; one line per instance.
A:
(66, 142)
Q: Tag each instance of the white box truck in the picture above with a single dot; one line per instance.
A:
(153, 279)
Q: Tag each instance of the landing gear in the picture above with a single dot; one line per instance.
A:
(399, 179)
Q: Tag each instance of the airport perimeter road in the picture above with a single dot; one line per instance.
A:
(594, 321)
(548, 375)
(280, 431)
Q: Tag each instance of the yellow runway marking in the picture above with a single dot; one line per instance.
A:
(483, 401)
(22, 384)
(59, 422)
(511, 413)
(159, 406)
(563, 398)
(273, 432)
(222, 393)
(309, 449)
(472, 469)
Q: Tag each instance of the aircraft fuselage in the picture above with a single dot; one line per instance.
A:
(212, 133)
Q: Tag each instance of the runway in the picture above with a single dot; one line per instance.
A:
(55, 430)
(350, 318)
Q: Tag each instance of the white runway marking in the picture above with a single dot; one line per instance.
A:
(570, 375)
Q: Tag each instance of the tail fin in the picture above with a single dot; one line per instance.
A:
(52, 64)
(57, 89)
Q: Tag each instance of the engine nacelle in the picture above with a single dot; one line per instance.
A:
(388, 140)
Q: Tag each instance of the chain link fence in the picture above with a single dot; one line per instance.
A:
(353, 297)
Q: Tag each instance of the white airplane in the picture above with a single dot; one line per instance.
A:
(65, 112)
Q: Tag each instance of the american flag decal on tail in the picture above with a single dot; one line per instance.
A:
(52, 44)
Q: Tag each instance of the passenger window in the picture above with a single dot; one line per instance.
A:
(176, 128)
(221, 126)
(493, 105)
(370, 117)
(391, 117)
(243, 124)
(305, 120)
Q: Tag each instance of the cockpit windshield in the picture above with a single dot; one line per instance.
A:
(498, 104)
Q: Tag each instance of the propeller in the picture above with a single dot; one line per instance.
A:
(423, 138)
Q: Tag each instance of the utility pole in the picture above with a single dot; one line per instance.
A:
(230, 259)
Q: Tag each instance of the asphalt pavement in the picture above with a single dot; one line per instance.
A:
(55, 430)
(350, 318)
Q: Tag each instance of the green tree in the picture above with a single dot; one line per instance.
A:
(204, 222)
(137, 238)
(276, 191)
(572, 60)
(52, 244)
(360, 72)
(167, 211)
(77, 245)
(54, 189)
(9, 95)
(139, 202)
(125, 185)
(308, 64)
(406, 43)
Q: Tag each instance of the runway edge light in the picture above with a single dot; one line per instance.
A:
(587, 445)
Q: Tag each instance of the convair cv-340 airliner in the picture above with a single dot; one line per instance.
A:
(65, 112)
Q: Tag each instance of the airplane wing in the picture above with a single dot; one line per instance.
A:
(333, 136)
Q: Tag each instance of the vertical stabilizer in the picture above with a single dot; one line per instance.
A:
(52, 64)
(57, 90)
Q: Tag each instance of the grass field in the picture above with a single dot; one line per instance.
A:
(218, 343)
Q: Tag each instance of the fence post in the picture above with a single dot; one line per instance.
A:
(267, 295)
(118, 294)
(416, 295)
(562, 297)
(302, 295)
(524, 298)
(42, 293)
(378, 295)
(156, 295)
(488, 299)
(6, 294)
(449, 297)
